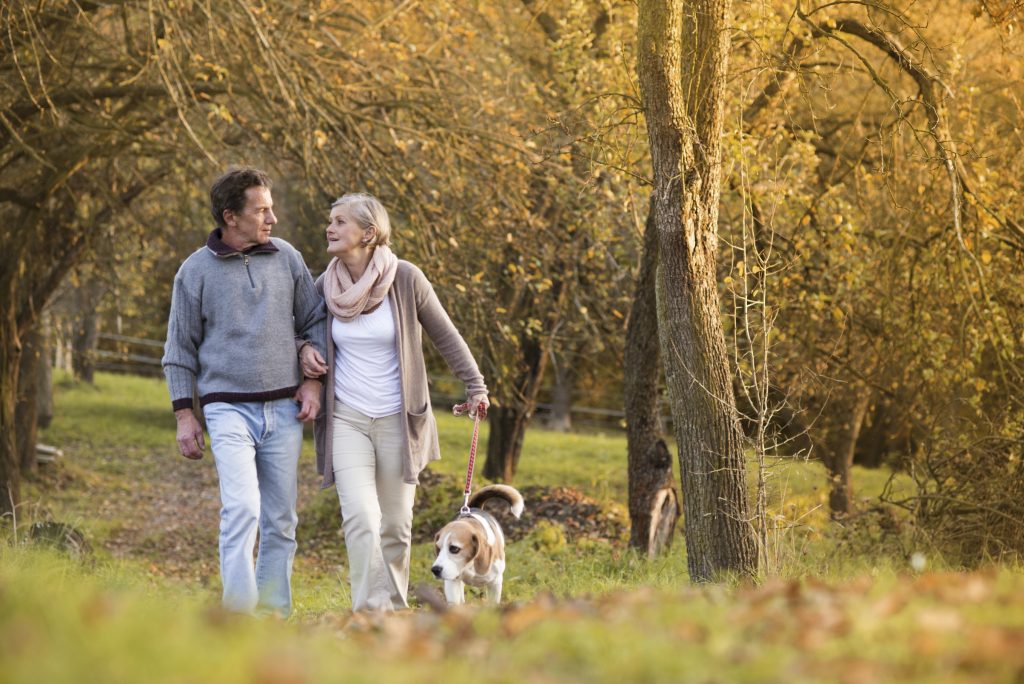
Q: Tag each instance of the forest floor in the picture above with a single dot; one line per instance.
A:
(141, 604)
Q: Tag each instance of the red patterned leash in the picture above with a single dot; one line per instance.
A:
(481, 412)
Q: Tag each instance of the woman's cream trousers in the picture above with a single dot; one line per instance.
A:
(376, 507)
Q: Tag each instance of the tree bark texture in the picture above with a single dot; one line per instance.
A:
(10, 468)
(682, 59)
(653, 503)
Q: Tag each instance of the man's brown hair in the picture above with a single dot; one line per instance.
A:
(228, 191)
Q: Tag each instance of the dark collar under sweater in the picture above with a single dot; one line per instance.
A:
(215, 243)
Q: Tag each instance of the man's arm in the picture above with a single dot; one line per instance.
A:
(181, 365)
(310, 312)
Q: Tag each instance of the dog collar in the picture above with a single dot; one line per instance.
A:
(487, 527)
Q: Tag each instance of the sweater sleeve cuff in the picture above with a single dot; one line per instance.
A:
(179, 404)
(476, 387)
(181, 382)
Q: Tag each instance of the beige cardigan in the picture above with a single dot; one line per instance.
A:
(415, 308)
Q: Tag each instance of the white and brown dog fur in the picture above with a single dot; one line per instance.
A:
(471, 548)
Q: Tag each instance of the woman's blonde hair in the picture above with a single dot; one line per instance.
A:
(367, 211)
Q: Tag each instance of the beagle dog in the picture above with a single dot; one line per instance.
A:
(471, 548)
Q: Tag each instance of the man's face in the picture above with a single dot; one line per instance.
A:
(252, 225)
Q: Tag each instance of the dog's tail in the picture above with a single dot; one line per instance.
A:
(508, 494)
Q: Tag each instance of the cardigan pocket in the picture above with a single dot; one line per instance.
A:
(320, 441)
(422, 436)
(418, 425)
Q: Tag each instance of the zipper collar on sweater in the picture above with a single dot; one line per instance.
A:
(215, 243)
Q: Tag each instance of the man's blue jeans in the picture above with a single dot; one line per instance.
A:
(256, 447)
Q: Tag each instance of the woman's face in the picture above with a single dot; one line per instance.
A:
(343, 234)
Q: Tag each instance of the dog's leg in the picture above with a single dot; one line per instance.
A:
(494, 591)
(454, 592)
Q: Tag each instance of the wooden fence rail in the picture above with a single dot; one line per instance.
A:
(124, 354)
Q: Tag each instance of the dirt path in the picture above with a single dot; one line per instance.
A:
(165, 513)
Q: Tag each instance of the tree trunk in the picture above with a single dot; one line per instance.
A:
(10, 356)
(839, 463)
(505, 441)
(682, 58)
(508, 422)
(878, 435)
(653, 503)
(44, 374)
(86, 332)
(561, 399)
(26, 410)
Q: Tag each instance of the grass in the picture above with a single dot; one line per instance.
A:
(119, 431)
(594, 463)
(841, 606)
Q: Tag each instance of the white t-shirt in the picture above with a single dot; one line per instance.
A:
(366, 363)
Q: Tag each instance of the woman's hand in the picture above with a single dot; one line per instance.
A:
(313, 365)
(478, 404)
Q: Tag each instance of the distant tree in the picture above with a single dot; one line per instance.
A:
(654, 505)
(27, 407)
(683, 49)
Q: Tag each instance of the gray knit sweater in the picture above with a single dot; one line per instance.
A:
(233, 323)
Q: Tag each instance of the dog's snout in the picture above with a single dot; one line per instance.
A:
(436, 570)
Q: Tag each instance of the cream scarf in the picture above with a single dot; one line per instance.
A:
(347, 299)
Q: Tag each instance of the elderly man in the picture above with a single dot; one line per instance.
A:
(239, 304)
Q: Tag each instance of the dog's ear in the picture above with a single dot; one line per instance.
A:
(483, 557)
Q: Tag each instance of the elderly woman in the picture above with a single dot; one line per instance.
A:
(377, 431)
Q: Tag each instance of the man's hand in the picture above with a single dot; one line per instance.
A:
(478, 403)
(308, 397)
(312, 364)
(190, 434)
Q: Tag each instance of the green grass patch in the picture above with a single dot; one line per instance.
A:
(119, 433)
(116, 412)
